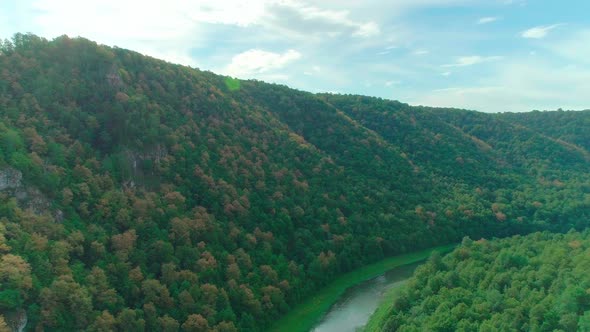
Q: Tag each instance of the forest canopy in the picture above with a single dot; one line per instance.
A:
(538, 282)
(137, 195)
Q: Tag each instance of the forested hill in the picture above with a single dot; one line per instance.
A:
(538, 282)
(570, 126)
(140, 195)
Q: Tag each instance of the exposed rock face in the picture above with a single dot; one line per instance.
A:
(28, 197)
(32, 198)
(10, 178)
(17, 320)
(135, 158)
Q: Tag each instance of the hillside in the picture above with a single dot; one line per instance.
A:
(142, 195)
(538, 282)
(566, 126)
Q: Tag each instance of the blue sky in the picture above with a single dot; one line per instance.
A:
(492, 55)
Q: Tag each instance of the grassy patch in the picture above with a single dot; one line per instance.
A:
(303, 317)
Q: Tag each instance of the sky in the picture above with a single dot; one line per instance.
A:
(485, 55)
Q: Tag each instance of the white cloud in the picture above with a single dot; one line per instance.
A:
(172, 31)
(521, 3)
(484, 98)
(471, 60)
(387, 50)
(574, 47)
(294, 15)
(251, 63)
(556, 77)
(340, 36)
(367, 30)
(234, 12)
(486, 20)
(539, 31)
(420, 52)
(114, 18)
(276, 77)
(520, 85)
(391, 83)
(314, 70)
(165, 32)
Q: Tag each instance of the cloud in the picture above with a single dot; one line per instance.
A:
(538, 32)
(483, 98)
(519, 85)
(233, 12)
(521, 3)
(420, 52)
(251, 63)
(298, 19)
(314, 70)
(486, 20)
(353, 41)
(166, 32)
(471, 60)
(173, 31)
(367, 30)
(574, 47)
(558, 76)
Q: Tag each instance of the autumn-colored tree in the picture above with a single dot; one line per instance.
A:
(105, 322)
(15, 277)
(195, 323)
(168, 324)
(62, 298)
(128, 320)
(3, 326)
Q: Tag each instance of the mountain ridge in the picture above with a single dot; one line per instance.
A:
(191, 203)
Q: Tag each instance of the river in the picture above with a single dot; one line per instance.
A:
(352, 311)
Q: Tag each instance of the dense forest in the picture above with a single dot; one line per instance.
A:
(538, 282)
(138, 195)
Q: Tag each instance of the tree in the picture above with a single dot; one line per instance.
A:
(195, 323)
(127, 320)
(3, 326)
(15, 276)
(103, 323)
(65, 304)
(584, 322)
(168, 324)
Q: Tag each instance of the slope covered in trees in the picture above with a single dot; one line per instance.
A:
(142, 195)
(568, 126)
(538, 282)
(482, 164)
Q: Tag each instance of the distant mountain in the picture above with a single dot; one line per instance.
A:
(140, 195)
(567, 126)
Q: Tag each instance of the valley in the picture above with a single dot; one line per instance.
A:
(141, 195)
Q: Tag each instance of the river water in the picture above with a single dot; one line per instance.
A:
(355, 306)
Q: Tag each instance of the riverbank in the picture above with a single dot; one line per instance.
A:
(377, 318)
(303, 317)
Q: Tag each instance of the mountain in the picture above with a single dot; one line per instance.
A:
(566, 126)
(136, 194)
(538, 282)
